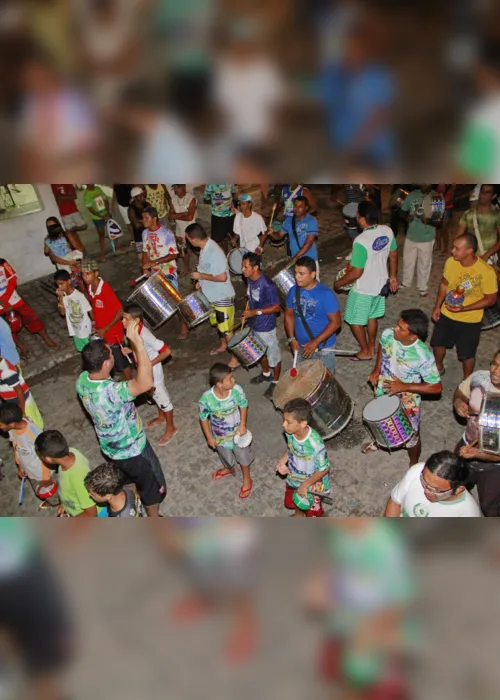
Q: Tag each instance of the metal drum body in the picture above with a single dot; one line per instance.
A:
(434, 207)
(48, 493)
(332, 407)
(284, 280)
(388, 422)
(491, 318)
(247, 346)
(277, 226)
(398, 198)
(489, 424)
(195, 308)
(235, 260)
(349, 213)
(158, 298)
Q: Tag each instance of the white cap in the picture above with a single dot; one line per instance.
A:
(134, 193)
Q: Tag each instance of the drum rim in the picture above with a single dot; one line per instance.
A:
(303, 365)
(377, 398)
(246, 331)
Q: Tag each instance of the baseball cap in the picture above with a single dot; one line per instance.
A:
(246, 198)
(89, 265)
(134, 192)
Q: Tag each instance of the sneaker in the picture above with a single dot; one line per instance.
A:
(261, 378)
(270, 391)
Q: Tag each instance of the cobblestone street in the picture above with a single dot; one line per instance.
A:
(361, 484)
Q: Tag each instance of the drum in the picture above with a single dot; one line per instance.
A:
(284, 280)
(303, 502)
(277, 226)
(387, 421)
(350, 212)
(491, 318)
(195, 308)
(340, 274)
(489, 424)
(48, 493)
(235, 260)
(398, 198)
(15, 321)
(247, 346)
(433, 206)
(332, 408)
(158, 298)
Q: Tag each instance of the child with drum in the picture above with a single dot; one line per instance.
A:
(223, 417)
(405, 367)
(305, 463)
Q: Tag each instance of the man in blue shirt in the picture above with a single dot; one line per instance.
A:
(7, 345)
(314, 339)
(302, 232)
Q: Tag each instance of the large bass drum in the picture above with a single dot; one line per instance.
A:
(158, 298)
(284, 280)
(332, 407)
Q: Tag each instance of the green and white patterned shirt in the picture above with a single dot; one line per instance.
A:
(224, 414)
(305, 458)
(117, 423)
(222, 199)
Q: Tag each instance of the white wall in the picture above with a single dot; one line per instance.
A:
(21, 239)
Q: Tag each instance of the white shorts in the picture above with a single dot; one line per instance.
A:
(161, 397)
(73, 221)
(124, 213)
(273, 353)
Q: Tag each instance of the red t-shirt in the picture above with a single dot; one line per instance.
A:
(105, 306)
(69, 206)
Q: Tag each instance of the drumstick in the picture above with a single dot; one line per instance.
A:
(121, 346)
(293, 371)
(132, 283)
(272, 215)
(244, 319)
(21, 490)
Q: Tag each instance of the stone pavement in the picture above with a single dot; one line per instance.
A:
(361, 484)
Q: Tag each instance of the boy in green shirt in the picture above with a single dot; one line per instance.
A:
(98, 207)
(54, 450)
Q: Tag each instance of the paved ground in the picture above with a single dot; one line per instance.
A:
(361, 484)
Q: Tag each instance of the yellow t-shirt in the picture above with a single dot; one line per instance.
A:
(477, 281)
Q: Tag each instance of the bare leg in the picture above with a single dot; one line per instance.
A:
(468, 366)
(184, 332)
(415, 452)
(247, 481)
(222, 347)
(153, 511)
(372, 334)
(277, 372)
(48, 340)
(439, 355)
(127, 373)
(242, 639)
(264, 363)
(23, 349)
(359, 332)
(299, 513)
(171, 429)
(102, 243)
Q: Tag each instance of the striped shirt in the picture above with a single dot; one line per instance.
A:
(10, 378)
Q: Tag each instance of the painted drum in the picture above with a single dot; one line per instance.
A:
(387, 421)
(247, 346)
(235, 261)
(158, 298)
(489, 424)
(303, 502)
(284, 280)
(491, 318)
(46, 491)
(434, 207)
(195, 308)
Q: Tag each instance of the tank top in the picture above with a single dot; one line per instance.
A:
(156, 198)
(289, 196)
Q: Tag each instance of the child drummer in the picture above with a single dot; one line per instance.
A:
(223, 418)
(406, 366)
(305, 463)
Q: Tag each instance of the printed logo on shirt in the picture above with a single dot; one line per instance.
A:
(420, 510)
(380, 243)
(99, 304)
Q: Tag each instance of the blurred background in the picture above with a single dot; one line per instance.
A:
(357, 609)
(251, 91)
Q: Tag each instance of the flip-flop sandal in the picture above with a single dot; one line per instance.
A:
(161, 443)
(183, 336)
(217, 352)
(361, 359)
(442, 372)
(221, 474)
(369, 447)
(245, 493)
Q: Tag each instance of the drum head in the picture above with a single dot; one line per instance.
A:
(238, 337)
(380, 408)
(235, 260)
(303, 502)
(350, 211)
(309, 375)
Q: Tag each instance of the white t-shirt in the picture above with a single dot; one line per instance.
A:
(77, 308)
(154, 346)
(371, 251)
(181, 206)
(249, 229)
(410, 495)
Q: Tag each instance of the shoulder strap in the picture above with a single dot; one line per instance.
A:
(301, 313)
(477, 232)
(294, 229)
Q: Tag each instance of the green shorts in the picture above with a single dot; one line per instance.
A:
(80, 343)
(360, 308)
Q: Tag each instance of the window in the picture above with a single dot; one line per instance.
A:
(17, 200)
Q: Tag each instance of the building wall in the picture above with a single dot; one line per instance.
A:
(21, 239)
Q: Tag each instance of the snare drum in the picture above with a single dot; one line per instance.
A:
(491, 318)
(489, 424)
(284, 280)
(277, 226)
(158, 298)
(332, 407)
(433, 208)
(247, 346)
(195, 308)
(398, 198)
(350, 212)
(48, 493)
(235, 261)
(388, 422)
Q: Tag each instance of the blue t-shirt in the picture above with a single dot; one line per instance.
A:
(261, 294)
(316, 303)
(308, 226)
(7, 345)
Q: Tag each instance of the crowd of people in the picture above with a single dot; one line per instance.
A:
(114, 339)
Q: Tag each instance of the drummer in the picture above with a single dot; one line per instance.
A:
(467, 402)
(302, 232)
(264, 306)
(215, 283)
(406, 366)
(249, 227)
(312, 316)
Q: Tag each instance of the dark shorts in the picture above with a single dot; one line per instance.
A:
(100, 224)
(222, 227)
(146, 473)
(33, 613)
(449, 333)
(121, 361)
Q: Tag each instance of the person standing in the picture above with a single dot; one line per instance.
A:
(8, 348)
(117, 423)
(98, 207)
(65, 196)
(419, 243)
(121, 196)
(159, 249)
(215, 283)
(371, 252)
(302, 231)
(249, 227)
(183, 212)
(312, 316)
(137, 205)
(476, 287)
(289, 194)
(447, 191)
(65, 250)
(483, 222)
(157, 197)
(222, 197)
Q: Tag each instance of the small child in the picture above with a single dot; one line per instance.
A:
(308, 464)
(53, 448)
(157, 351)
(22, 434)
(223, 415)
(75, 307)
(106, 485)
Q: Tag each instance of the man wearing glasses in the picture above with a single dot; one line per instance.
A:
(483, 222)
(434, 489)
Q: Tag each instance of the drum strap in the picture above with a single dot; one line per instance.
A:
(294, 229)
(301, 314)
(480, 243)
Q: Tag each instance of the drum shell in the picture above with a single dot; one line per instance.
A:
(247, 346)
(397, 425)
(277, 226)
(491, 318)
(53, 498)
(158, 298)
(284, 280)
(235, 261)
(434, 208)
(195, 308)
(489, 424)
